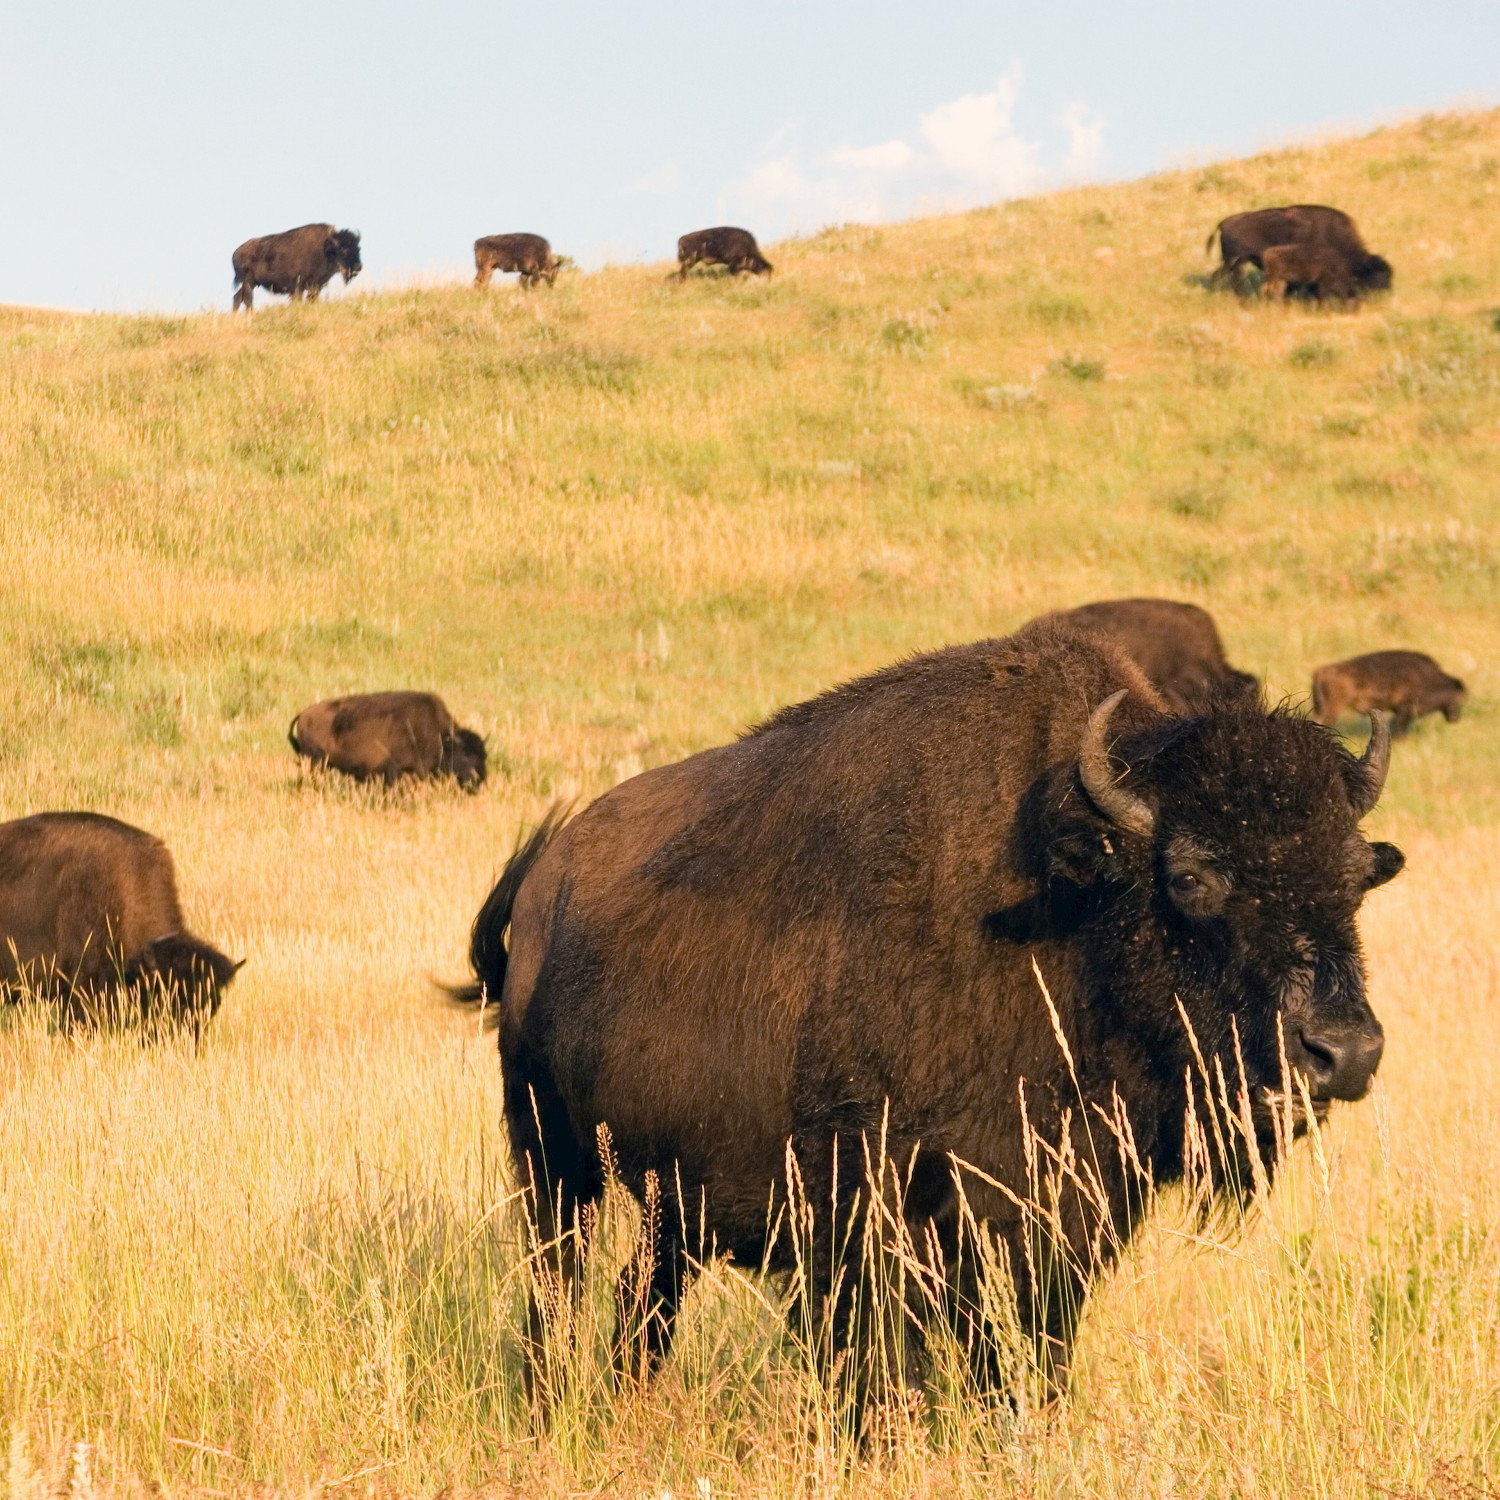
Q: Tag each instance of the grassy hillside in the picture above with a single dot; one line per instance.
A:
(613, 523)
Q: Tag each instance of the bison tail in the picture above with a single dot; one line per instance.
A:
(488, 955)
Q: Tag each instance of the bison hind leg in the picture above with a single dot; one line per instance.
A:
(562, 1180)
(650, 1288)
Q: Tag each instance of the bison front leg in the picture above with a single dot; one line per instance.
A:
(482, 277)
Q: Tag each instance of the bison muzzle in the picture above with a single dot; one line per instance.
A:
(755, 966)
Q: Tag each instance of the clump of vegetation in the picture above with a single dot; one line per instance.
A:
(1077, 368)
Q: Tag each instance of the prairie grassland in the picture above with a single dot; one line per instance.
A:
(612, 524)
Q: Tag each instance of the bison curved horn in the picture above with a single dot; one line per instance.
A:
(1122, 808)
(1373, 765)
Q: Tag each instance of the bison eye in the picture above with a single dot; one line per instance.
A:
(1185, 884)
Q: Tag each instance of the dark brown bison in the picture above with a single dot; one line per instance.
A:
(296, 263)
(389, 735)
(756, 965)
(1405, 684)
(529, 254)
(1316, 271)
(1176, 645)
(1244, 238)
(724, 246)
(89, 915)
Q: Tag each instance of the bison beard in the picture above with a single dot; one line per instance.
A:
(754, 967)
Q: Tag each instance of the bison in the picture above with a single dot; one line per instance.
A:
(1176, 645)
(89, 915)
(529, 254)
(388, 736)
(1317, 271)
(1405, 684)
(724, 246)
(1244, 238)
(297, 263)
(731, 978)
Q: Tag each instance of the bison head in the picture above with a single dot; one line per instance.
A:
(189, 975)
(342, 248)
(464, 758)
(1217, 864)
(1373, 273)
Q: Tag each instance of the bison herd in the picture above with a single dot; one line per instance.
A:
(1076, 881)
(299, 263)
(991, 896)
(1306, 249)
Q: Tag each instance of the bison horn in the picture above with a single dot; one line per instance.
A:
(1122, 808)
(1374, 764)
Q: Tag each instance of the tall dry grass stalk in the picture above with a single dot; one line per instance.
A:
(611, 525)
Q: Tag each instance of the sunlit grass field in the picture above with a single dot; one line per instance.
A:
(612, 524)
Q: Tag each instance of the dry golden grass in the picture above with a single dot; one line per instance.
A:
(612, 524)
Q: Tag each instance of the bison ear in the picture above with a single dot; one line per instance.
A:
(1389, 862)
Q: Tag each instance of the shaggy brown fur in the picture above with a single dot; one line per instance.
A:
(1244, 238)
(823, 936)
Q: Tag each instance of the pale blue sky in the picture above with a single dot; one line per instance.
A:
(143, 142)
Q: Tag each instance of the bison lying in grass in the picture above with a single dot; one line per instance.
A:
(766, 965)
(89, 916)
(386, 736)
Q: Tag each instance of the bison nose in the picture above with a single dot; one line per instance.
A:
(1340, 1064)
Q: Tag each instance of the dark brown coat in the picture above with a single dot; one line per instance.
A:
(823, 935)
(296, 263)
(723, 246)
(389, 735)
(1317, 271)
(529, 254)
(1244, 238)
(89, 914)
(1176, 645)
(1406, 684)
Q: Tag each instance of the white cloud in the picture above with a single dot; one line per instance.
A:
(1085, 128)
(654, 184)
(965, 152)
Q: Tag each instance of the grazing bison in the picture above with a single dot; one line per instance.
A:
(296, 263)
(756, 965)
(1405, 684)
(1244, 239)
(1317, 271)
(529, 254)
(89, 915)
(724, 246)
(1176, 645)
(389, 735)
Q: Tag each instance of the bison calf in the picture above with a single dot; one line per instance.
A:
(724, 246)
(1319, 271)
(529, 254)
(389, 735)
(1404, 684)
(1176, 645)
(296, 263)
(89, 914)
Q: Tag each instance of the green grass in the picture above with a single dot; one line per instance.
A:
(612, 523)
